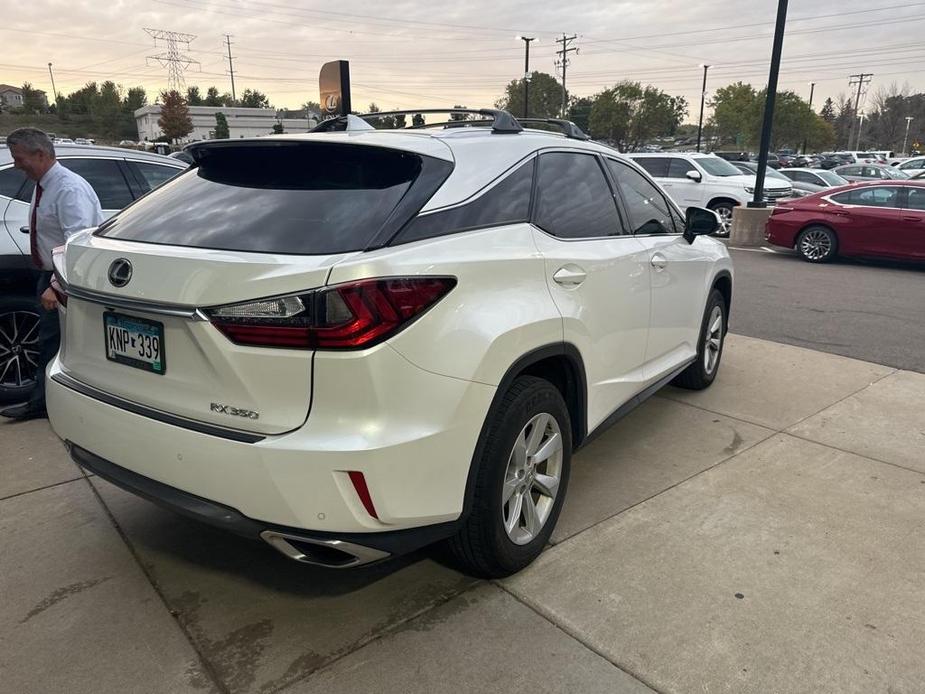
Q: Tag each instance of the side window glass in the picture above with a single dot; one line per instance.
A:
(507, 202)
(155, 174)
(678, 168)
(916, 199)
(881, 196)
(648, 211)
(105, 178)
(573, 199)
(657, 167)
(11, 181)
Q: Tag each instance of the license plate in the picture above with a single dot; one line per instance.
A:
(135, 342)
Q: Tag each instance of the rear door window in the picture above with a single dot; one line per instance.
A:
(106, 179)
(11, 180)
(155, 174)
(916, 199)
(679, 167)
(573, 198)
(507, 202)
(657, 167)
(881, 196)
(286, 197)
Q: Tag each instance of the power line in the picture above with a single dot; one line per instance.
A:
(172, 59)
(563, 62)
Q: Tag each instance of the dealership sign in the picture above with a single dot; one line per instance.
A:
(334, 82)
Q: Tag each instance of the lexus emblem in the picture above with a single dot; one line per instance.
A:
(120, 272)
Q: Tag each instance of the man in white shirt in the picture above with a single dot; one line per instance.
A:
(63, 203)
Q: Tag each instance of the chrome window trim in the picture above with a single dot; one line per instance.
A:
(177, 311)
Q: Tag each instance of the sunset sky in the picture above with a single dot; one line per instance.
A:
(416, 54)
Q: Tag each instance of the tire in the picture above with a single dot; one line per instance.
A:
(496, 539)
(817, 244)
(724, 210)
(702, 371)
(19, 319)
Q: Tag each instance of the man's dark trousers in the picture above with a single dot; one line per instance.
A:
(49, 340)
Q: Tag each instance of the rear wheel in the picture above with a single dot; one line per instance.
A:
(703, 369)
(19, 347)
(817, 244)
(522, 477)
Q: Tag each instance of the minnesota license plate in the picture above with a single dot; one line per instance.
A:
(135, 342)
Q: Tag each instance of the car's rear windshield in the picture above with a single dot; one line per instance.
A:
(281, 197)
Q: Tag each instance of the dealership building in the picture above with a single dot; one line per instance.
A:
(242, 122)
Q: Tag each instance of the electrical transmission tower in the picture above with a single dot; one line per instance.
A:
(862, 80)
(172, 59)
(563, 62)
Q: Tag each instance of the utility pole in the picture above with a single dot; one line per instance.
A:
(563, 61)
(234, 99)
(703, 98)
(758, 200)
(812, 88)
(909, 120)
(55, 92)
(527, 41)
(173, 60)
(861, 80)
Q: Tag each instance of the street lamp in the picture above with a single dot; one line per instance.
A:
(526, 40)
(703, 98)
(812, 88)
(909, 120)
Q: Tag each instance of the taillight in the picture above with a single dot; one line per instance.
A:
(354, 315)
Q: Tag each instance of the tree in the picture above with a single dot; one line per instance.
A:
(312, 107)
(221, 127)
(278, 128)
(384, 123)
(135, 98)
(733, 113)
(459, 116)
(32, 101)
(417, 119)
(400, 121)
(174, 121)
(579, 111)
(828, 111)
(844, 122)
(629, 114)
(109, 107)
(545, 96)
(193, 97)
(251, 98)
(213, 98)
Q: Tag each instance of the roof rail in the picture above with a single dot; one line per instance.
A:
(501, 121)
(567, 127)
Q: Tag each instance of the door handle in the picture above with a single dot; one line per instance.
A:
(570, 275)
(24, 230)
(658, 261)
(911, 219)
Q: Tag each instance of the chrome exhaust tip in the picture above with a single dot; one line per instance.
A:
(333, 554)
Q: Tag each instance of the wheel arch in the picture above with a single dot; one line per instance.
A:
(808, 225)
(559, 363)
(722, 282)
(723, 198)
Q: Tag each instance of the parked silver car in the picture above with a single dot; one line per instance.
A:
(119, 177)
(870, 172)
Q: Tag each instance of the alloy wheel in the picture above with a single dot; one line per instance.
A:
(19, 348)
(725, 219)
(815, 244)
(531, 480)
(713, 340)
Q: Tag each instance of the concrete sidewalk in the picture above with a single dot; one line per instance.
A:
(766, 535)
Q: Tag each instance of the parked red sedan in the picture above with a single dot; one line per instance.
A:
(883, 219)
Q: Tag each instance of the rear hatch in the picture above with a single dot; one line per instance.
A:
(254, 221)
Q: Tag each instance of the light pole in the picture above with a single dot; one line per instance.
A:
(527, 40)
(812, 88)
(909, 120)
(54, 91)
(703, 98)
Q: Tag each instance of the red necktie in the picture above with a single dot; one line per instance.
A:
(34, 232)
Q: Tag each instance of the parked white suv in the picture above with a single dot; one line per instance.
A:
(353, 344)
(705, 180)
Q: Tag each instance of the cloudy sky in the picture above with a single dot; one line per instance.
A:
(414, 54)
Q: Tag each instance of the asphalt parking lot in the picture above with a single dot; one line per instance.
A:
(870, 310)
(765, 535)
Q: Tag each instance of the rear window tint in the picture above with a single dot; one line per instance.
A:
(298, 198)
(11, 181)
(507, 202)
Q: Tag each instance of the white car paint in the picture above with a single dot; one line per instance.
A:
(913, 166)
(407, 412)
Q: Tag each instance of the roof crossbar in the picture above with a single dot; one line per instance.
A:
(501, 121)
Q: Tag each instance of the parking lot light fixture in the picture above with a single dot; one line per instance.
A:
(703, 98)
(909, 120)
(526, 40)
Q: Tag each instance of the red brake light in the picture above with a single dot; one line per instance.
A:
(359, 483)
(355, 315)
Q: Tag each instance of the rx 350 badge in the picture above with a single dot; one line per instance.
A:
(234, 411)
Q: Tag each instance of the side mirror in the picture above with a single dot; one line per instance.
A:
(699, 222)
(694, 175)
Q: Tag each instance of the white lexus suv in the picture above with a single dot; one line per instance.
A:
(358, 342)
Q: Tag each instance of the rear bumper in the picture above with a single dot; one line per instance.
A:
(410, 432)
